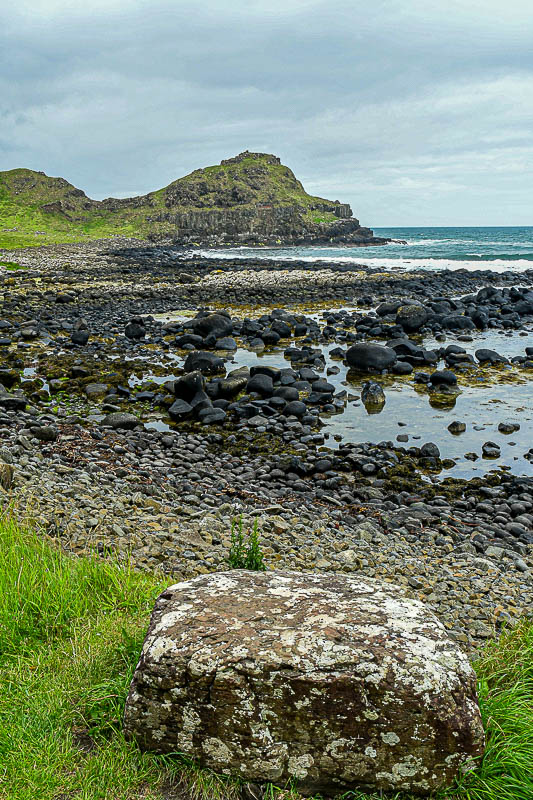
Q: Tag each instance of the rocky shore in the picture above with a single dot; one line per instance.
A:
(149, 397)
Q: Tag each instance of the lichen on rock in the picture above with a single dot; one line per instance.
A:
(332, 680)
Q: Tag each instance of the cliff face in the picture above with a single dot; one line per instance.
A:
(251, 198)
(282, 225)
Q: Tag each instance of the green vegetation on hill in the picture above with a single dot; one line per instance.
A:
(36, 209)
(71, 630)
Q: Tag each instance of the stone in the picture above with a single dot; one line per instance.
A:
(217, 325)
(402, 368)
(7, 472)
(226, 343)
(13, 402)
(335, 681)
(484, 356)
(443, 377)
(264, 369)
(179, 410)
(368, 357)
(456, 322)
(295, 408)
(508, 427)
(45, 433)
(234, 382)
(189, 338)
(212, 416)
(96, 390)
(491, 450)
(429, 450)
(80, 337)
(412, 317)
(372, 394)
(187, 386)
(457, 427)
(135, 329)
(261, 384)
(203, 361)
(121, 420)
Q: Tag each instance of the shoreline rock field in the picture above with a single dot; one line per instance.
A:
(150, 396)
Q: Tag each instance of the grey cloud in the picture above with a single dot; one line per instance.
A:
(394, 106)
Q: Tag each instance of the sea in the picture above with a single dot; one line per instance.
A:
(494, 248)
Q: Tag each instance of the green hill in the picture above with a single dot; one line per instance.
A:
(250, 198)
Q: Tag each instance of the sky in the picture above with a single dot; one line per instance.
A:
(416, 112)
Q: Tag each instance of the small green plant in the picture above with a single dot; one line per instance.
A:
(245, 551)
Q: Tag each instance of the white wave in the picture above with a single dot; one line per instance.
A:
(438, 264)
(460, 242)
(393, 264)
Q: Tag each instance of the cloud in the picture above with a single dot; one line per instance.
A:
(412, 111)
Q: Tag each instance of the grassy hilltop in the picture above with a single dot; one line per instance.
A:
(36, 209)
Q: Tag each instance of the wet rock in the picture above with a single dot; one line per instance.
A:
(485, 355)
(337, 682)
(295, 408)
(370, 357)
(372, 394)
(508, 427)
(457, 427)
(217, 325)
(402, 368)
(490, 450)
(412, 317)
(261, 384)
(187, 386)
(203, 361)
(455, 322)
(189, 338)
(135, 329)
(263, 369)
(388, 307)
(443, 377)
(180, 410)
(234, 383)
(287, 393)
(212, 416)
(226, 343)
(429, 450)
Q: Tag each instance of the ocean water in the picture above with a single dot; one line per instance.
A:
(496, 249)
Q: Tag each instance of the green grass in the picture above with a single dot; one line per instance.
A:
(70, 634)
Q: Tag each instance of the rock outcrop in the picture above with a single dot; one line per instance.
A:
(331, 680)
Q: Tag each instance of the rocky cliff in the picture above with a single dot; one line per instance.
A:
(251, 198)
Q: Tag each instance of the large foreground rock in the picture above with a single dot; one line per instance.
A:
(333, 680)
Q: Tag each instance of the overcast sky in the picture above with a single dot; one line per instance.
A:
(417, 112)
